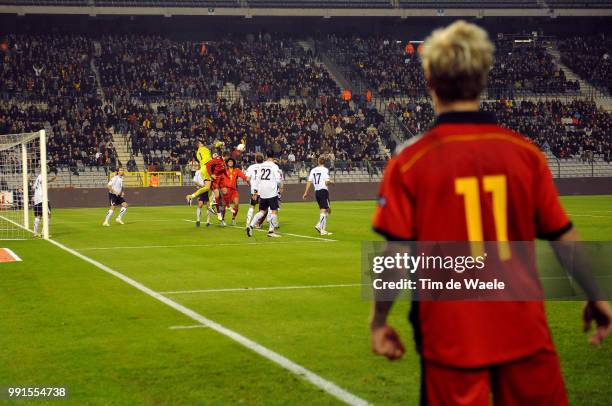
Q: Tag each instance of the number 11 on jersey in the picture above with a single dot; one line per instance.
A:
(468, 187)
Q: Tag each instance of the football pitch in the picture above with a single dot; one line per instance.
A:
(214, 317)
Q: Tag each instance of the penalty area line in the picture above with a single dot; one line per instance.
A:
(296, 369)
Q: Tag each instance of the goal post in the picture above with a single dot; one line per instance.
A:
(23, 186)
(45, 191)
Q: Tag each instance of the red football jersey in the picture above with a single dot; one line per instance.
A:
(216, 166)
(232, 177)
(465, 168)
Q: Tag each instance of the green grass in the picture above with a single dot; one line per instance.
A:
(65, 322)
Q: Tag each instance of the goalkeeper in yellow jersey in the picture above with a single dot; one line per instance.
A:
(203, 155)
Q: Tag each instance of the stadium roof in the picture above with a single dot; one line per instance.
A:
(325, 8)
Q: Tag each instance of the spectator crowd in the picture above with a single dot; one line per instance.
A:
(165, 94)
(567, 129)
(36, 67)
(297, 131)
(589, 57)
(155, 67)
(393, 68)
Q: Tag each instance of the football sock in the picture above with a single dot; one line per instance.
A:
(36, 224)
(198, 213)
(321, 217)
(122, 212)
(256, 219)
(236, 208)
(323, 222)
(273, 223)
(108, 215)
(207, 216)
(269, 216)
(249, 215)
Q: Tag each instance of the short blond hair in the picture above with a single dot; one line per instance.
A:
(456, 61)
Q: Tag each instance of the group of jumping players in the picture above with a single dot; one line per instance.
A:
(217, 182)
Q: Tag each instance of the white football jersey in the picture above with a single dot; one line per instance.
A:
(38, 190)
(116, 184)
(268, 180)
(319, 175)
(252, 174)
(198, 179)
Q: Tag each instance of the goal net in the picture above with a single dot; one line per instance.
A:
(23, 186)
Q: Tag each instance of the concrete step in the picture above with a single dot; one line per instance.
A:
(586, 88)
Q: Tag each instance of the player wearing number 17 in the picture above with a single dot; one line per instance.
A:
(469, 179)
(319, 177)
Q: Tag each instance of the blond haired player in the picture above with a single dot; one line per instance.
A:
(469, 179)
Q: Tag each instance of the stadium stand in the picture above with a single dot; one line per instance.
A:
(575, 129)
(392, 70)
(416, 116)
(590, 58)
(39, 67)
(161, 95)
(166, 134)
(77, 134)
(155, 68)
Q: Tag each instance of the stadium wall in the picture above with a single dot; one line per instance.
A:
(97, 197)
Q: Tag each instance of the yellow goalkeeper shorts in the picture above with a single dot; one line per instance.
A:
(204, 173)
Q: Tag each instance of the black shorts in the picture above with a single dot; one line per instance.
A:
(254, 202)
(270, 203)
(115, 200)
(322, 196)
(203, 198)
(38, 209)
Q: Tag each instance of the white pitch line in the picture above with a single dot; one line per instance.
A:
(187, 327)
(293, 235)
(296, 369)
(320, 382)
(130, 221)
(182, 292)
(307, 236)
(190, 245)
(11, 253)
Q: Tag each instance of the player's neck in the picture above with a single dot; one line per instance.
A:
(441, 107)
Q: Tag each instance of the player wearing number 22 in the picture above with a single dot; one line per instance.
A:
(469, 179)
